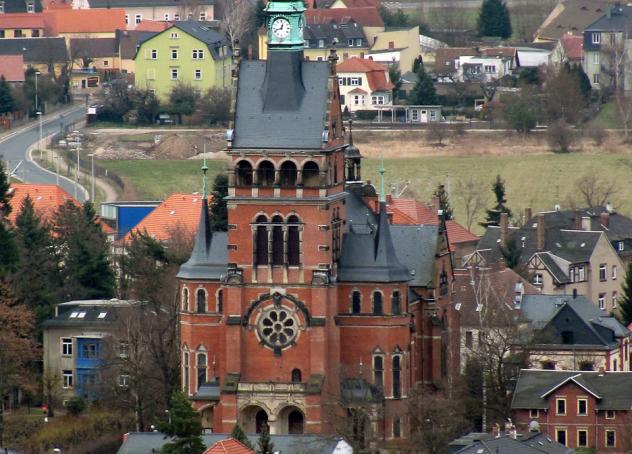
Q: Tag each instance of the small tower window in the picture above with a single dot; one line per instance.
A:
(288, 174)
(220, 301)
(185, 370)
(277, 240)
(261, 241)
(201, 300)
(396, 304)
(293, 241)
(397, 372)
(185, 299)
(296, 375)
(201, 369)
(265, 174)
(356, 302)
(243, 171)
(378, 371)
(311, 177)
(377, 303)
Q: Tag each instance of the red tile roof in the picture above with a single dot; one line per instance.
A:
(152, 26)
(12, 68)
(445, 57)
(47, 198)
(177, 211)
(499, 51)
(573, 47)
(358, 91)
(56, 4)
(84, 20)
(361, 3)
(359, 65)
(367, 16)
(228, 446)
(12, 21)
(459, 234)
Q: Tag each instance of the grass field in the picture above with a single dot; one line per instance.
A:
(537, 181)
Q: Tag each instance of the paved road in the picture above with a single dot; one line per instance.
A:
(13, 149)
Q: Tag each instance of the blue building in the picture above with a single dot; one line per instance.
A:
(124, 216)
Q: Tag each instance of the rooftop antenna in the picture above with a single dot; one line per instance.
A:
(204, 170)
(382, 193)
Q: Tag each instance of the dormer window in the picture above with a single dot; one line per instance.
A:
(596, 38)
(1, 7)
(30, 7)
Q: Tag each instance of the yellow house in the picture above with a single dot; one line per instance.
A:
(44, 54)
(84, 23)
(21, 25)
(400, 45)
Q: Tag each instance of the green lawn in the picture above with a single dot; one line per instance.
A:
(537, 181)
(608, 116)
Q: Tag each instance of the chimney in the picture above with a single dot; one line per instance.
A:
(250, 52)
(609, 207)
(391, 45)
(574, 293)
(586, 223)
(578, 220)
(504, 228)
(436, 205)
(540, 233)
(605, 219)
(528, 214)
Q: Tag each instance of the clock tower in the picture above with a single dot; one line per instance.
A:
(285, 22)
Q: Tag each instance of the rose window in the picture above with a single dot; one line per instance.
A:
(277, 327)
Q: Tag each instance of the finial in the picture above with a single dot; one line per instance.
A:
(382, 193)
(350, 132)
(204, 170)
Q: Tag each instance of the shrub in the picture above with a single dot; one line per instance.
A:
(366, 114)
(436, 133)
(596, 132)
(561, 136)
(76, 406)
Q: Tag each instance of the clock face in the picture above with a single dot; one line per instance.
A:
(281, 28)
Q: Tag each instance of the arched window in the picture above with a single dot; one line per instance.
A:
(586, 365)
(397, 427)
(293, 242)
(220, 301)
(185, 299)
(277, 240)
(261, 241)
(397, 377)
(311, 178)
(201, 369)
(378, 371)
(243, 173)
(185, 372)
(296, 375)
(377, 303)
(201, 300)
(288, 174)
(265, 174)
(396, 305)
(295, 422)
(261, 418)
(356, 302)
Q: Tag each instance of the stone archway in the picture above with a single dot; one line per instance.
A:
(291, 420)
(252, 418)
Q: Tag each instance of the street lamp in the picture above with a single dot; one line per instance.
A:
(39, 144)
(92, 169)
(78, 149)
(37, 73)
(56, 157)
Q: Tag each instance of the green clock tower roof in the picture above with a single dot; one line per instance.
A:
(285, 22)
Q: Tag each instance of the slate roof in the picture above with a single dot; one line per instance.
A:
(127, 40)
(46, 198)
(368, 251)
(84, 21)
(367, 16)
(151, 442)
(88, 312)
(21, 20)
(93, 47)
(620, 18)
(35, 50)
(614, 388)
(331, 32)
(12, 68)
(19, 6)
(283, 90)
(416, 248)
(139, 3)
(572, 16)
(206, 32)
(535, 443)
(210, 253)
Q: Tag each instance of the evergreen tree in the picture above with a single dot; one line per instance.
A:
(424, 92)
(184, 425)
(219, 212)
(444, 202)
(260, 14)
(494, 19)
(625, 303)
(86, 267)
(8, 249)
(493, 215)
(264, 444)
(36, 280)
(417, 63)
(582, 79)
(511, 253)
(7, 101)
(239, 435)
(395, 75)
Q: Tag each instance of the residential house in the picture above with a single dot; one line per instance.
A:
(400, 45)
(347, 37)
(560, 261)
(84, 23)
(535, 55)
(572, 333)
(607, 43)
(20, 6)
(43, 54)
(570, 16)
(76, 341)
(22, 25)
(578, 409)
(190, 52)
(152, 442)
(126, 45)
(123, 216)
(364, 84)
(474, 65)
(12, 68)
(46, 199)
(568, 50)
(368, 17)
(99, 54)
(137, 11)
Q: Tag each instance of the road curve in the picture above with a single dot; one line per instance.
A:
(14, 148)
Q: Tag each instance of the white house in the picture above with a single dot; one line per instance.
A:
(364, 84)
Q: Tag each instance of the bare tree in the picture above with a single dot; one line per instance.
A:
(471, 192)
(624, 109)
(596, 191)
(437, 133)
(239, 20)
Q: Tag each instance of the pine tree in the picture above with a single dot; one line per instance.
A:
(511, 253)
(424, 92)
(86, 268)
(184, 425)
(625, 303)
(8, 249)
(494, 19)
(493, 215)
(239, 435)
(36, 280)
(7, 101)
(444, 202)
(219, 212)
(264, 444)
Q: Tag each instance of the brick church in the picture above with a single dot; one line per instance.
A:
(312, 302)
